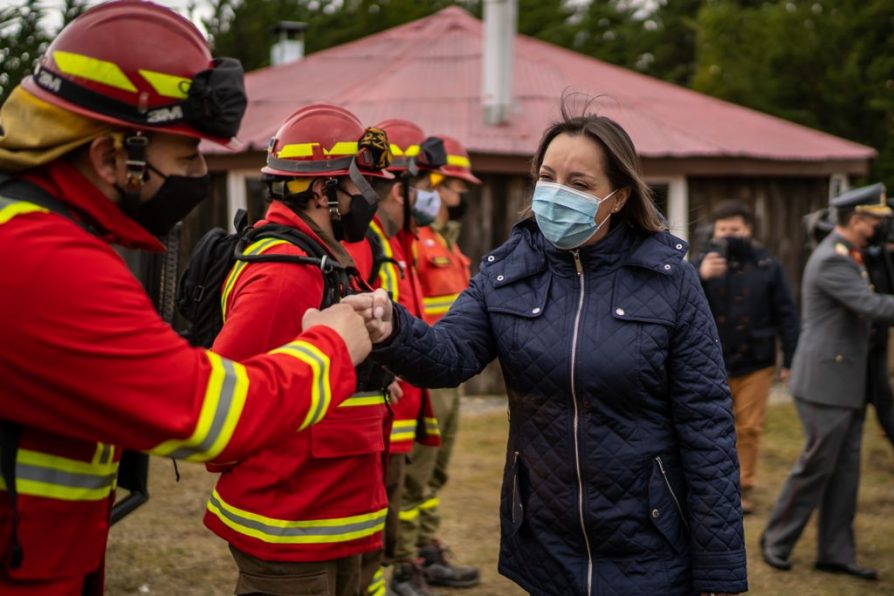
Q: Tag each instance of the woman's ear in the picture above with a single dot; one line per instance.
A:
(621, 199)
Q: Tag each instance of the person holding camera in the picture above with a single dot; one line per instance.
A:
(752, 306)
(829, 377)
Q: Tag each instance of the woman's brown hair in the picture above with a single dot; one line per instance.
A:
(622, 165)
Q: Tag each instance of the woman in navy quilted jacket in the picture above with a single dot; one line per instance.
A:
(621, 475)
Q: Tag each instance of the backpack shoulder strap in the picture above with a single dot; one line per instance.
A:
(379, 257)
(336, 277)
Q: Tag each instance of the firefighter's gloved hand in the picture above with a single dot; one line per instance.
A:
(377, 312)
(347, 323)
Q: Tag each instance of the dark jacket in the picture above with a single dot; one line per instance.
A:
(621, 474)
(752, 306)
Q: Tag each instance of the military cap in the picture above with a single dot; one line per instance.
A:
(870, 200)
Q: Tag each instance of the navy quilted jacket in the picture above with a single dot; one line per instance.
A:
(621, 474)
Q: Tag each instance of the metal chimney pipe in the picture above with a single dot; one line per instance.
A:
(500, 24)
(289, 46)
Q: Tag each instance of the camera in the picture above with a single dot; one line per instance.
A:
(720, 246)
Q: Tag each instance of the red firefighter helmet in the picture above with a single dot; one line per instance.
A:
(324, 140)
(458, 163)
(411, 149)
(144, 67)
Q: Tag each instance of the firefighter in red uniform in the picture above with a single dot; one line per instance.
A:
(385, 259)
(443, 274)
(101, 145)
(299, 516)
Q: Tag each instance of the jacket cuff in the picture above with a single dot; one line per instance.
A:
(720, 572)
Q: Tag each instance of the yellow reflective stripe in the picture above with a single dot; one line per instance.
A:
(281, 531)
(368, 398)
(377, 587)
(307, 149)
(403, 430)
(342, 148)
(255, 248)
(93, 69)
(411, 151)
(10, 209)
(104, 453)
(432, 427)
(431, 503)
(389, 276)
(459, 160)
(409, 514)
(438, 305)
(166, 84)
(320, 393)
(52, 476)
(222, 406)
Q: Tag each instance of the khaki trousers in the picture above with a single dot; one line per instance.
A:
(750, 395)
(426, 475)
(339, 577)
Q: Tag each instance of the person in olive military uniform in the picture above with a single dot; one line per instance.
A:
(752, 306)
(828, 383)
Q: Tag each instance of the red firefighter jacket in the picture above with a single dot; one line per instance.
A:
(443, 273)
(88, 368)
(414, 417)
(319, 495)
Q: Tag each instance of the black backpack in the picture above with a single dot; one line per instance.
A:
(212, 259)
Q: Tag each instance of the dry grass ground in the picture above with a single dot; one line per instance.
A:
(164, 549)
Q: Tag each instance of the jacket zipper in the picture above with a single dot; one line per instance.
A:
(580, 484)
(673, 495)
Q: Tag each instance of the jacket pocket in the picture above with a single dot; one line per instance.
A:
(763, 345)
(666, 507)
(347, 436)
(517, 507)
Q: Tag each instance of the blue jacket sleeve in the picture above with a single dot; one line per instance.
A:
(455, 349)
(702, 416)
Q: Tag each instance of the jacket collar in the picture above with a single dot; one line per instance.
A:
(65, 182)
(280, 213)
(660, 252)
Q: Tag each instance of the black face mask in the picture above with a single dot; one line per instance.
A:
(355, 223)
(351, 226)
(174, 200)
(457, 213)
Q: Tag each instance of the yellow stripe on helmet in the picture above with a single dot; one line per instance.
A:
(93, 69)
(167, 85)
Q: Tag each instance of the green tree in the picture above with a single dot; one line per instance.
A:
(827, 64)
(22, 41)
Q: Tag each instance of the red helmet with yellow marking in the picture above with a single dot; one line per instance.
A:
(143, 66)
(324, 140)
(411, 150)
(458, 163)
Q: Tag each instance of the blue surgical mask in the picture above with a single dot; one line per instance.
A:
(565, 216)
(428, 203)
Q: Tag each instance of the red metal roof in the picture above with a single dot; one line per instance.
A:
(429, 72)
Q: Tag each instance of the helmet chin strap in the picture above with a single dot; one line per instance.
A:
(332, 198)
(135, 144)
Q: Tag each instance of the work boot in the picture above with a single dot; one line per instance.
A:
(408, 580)
(439, 572)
